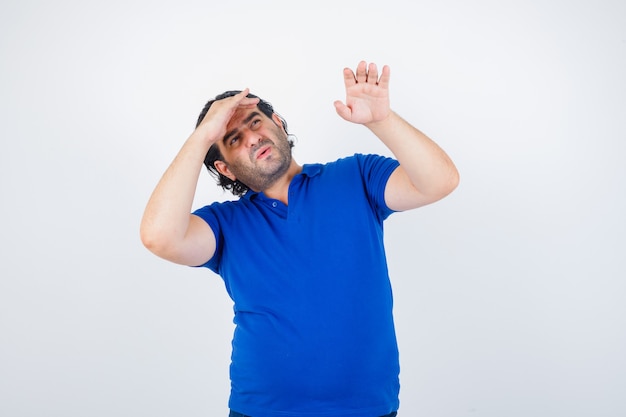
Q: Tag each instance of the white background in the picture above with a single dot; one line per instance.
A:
(510, 293)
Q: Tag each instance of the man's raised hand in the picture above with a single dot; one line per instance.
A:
(215, 121)
(367, 94)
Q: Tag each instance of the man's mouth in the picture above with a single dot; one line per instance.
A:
(263, 152)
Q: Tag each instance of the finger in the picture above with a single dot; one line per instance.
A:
(372, 74)
(237, 98)
(348, 77)
(248, 102)
(361, 72)
(342, 110)
(242, 95)
(242, 100)
(384, 77)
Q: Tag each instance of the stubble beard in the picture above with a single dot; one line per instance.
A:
(260, 175)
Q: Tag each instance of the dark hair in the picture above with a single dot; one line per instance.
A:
(236, 187)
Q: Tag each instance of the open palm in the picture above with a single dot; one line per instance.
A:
(367, 95)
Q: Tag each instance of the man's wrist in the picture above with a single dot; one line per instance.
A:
(384, 123)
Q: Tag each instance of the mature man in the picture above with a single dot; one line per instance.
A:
(301, 251)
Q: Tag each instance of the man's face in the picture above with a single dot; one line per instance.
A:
(255, 149)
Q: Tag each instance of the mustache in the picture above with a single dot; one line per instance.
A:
(262, 142)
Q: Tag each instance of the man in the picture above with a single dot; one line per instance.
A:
(301, 252)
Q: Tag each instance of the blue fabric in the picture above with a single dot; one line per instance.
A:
(236, 414)
(314, 331)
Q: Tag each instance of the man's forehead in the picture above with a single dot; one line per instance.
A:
(242, 116)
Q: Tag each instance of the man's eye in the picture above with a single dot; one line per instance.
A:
(233, 140)
(256, 122)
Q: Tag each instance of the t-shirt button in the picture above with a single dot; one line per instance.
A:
(274, 204)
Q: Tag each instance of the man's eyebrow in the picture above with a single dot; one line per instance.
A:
(245, 121)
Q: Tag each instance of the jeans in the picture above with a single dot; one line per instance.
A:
(236, 414)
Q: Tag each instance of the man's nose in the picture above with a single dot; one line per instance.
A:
(252, 139)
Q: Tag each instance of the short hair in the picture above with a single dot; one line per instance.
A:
(236, 187)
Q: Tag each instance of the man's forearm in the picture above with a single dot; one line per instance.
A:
(428, 167)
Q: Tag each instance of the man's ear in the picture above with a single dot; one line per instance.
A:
(222, 168)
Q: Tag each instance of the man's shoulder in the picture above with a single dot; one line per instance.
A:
(329, 168)
(347, 160)
(222, 208)
(358, 161)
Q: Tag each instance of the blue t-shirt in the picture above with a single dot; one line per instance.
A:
(314, 334)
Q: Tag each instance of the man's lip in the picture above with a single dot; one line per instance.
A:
(263, 151)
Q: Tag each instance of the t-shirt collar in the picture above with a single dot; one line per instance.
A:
(309, 170)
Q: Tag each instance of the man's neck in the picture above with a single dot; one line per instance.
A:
(280, 189)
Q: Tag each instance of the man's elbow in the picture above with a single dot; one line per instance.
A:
(453, 181)
(164, 248)
(155, 240)
(447, 186)
(152, 241)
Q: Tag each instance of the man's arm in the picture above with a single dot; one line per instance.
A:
(167, 227)
(426, 173)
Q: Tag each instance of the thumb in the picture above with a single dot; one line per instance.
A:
(342, 110)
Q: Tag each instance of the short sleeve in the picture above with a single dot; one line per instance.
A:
(375, 171)
(208, 214)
